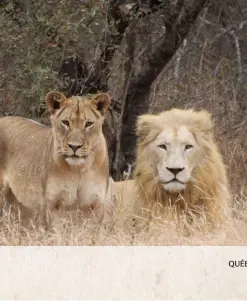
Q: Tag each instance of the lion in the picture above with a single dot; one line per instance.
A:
(178, 168)
(57, 168)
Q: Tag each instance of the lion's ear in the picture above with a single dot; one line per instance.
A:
(204, 121)
(145, 123)
(101, 102)
(54, 101)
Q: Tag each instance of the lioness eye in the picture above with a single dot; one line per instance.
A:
(88, 124)
(188, 146)
(163, 146)
(65, 122)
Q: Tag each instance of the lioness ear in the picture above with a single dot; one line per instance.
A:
(145, 124)
(101, 102)
(54, 101)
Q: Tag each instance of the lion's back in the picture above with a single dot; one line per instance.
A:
(24, 149)
(21, 134)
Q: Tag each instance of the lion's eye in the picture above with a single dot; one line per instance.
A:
(65, 122)
(188, 146)
(88, 124)
(163, 146)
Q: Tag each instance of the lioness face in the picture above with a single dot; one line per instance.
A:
(175, 149)
(77, 125)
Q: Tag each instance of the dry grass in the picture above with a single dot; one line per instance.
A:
(77, 232)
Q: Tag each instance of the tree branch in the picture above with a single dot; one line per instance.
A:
(117, 24)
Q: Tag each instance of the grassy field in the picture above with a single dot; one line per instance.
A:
(16, 230)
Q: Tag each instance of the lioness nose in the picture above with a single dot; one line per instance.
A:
(74, 147)
(175, 171)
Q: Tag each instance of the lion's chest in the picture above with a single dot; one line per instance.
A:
(76, 191)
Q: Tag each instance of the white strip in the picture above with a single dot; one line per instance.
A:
(122, 273)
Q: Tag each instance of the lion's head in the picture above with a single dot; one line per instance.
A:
(77, 126)
(176, 142)
(178, 160)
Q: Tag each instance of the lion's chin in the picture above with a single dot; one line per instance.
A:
(174, 187)
(75, 161)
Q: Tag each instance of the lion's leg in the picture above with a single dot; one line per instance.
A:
(56, 222)
(14, 209)
(9, 200)
(51, 214)
(51, 219)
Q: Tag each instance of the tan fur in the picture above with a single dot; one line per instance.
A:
(207, 188)
(41, 171)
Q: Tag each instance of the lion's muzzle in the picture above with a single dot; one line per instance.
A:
(74, 147)
(175, 171)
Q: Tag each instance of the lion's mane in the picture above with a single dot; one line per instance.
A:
(209, 188)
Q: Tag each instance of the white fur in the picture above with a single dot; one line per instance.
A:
(175, 156)
(174, 186)
(75, 161)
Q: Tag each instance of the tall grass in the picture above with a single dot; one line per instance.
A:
(16, 228)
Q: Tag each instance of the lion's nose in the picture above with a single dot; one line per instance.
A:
(175, 171)
(74, 147)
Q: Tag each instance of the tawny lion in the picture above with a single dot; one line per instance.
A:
(63, 167)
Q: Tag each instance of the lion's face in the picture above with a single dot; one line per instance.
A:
(175, 150)
(173, 145)
(77, 126)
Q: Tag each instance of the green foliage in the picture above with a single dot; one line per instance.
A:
(35, 37)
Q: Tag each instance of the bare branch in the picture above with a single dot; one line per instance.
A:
(178, 60)
(239, 56)
(236, 127)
